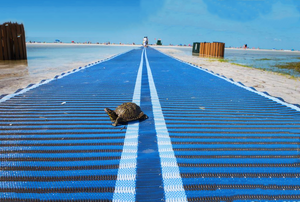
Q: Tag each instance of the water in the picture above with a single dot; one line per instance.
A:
(43, 58)
(44, 61)
(261, 59)
(264, 59)
(69, 56)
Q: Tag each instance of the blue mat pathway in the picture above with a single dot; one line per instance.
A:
(206, 139)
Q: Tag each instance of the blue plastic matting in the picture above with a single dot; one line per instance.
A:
(206, 138)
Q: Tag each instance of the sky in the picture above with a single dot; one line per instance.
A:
(257, 23)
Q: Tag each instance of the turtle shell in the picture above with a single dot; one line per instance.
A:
(129, 111)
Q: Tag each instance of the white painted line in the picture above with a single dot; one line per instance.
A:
(173, 186)
(126, 179)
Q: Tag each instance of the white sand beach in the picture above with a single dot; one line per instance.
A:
(277, 85)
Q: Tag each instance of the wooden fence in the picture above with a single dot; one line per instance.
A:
(12, 42)
(215, 49)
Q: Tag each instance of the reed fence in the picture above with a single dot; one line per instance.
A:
(12, 42)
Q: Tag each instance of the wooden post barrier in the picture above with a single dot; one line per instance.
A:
(12, 42)
(202, 48)
(215, 49)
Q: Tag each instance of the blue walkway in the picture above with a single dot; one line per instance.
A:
(206, 139)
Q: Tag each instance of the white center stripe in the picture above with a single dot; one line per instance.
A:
(172, 181)
(126, 179)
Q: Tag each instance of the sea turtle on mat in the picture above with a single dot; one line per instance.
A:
(128, 111)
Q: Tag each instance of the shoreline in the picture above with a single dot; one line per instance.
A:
(272, 50)
(82, 44)
(275, 84)
(154, 46)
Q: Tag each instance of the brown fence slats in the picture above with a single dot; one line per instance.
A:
(20, 42)
(215, 49)
(5, 46)
(12, 42)
(9, 41)
(202, 48)
(1, 45)
(16, 47)
(23, 42)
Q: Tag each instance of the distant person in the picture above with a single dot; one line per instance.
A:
(145, 41)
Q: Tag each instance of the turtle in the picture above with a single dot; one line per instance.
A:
(125, 112)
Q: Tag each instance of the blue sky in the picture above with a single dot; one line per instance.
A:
(258, 23)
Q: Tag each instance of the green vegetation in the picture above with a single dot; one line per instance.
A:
(218, 59)
(290, 65)
(241, 65)
(264, 59)
(226, 60)
(222, 60)
(287, 75)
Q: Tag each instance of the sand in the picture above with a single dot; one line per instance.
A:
(274, 84)
(14, 77)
